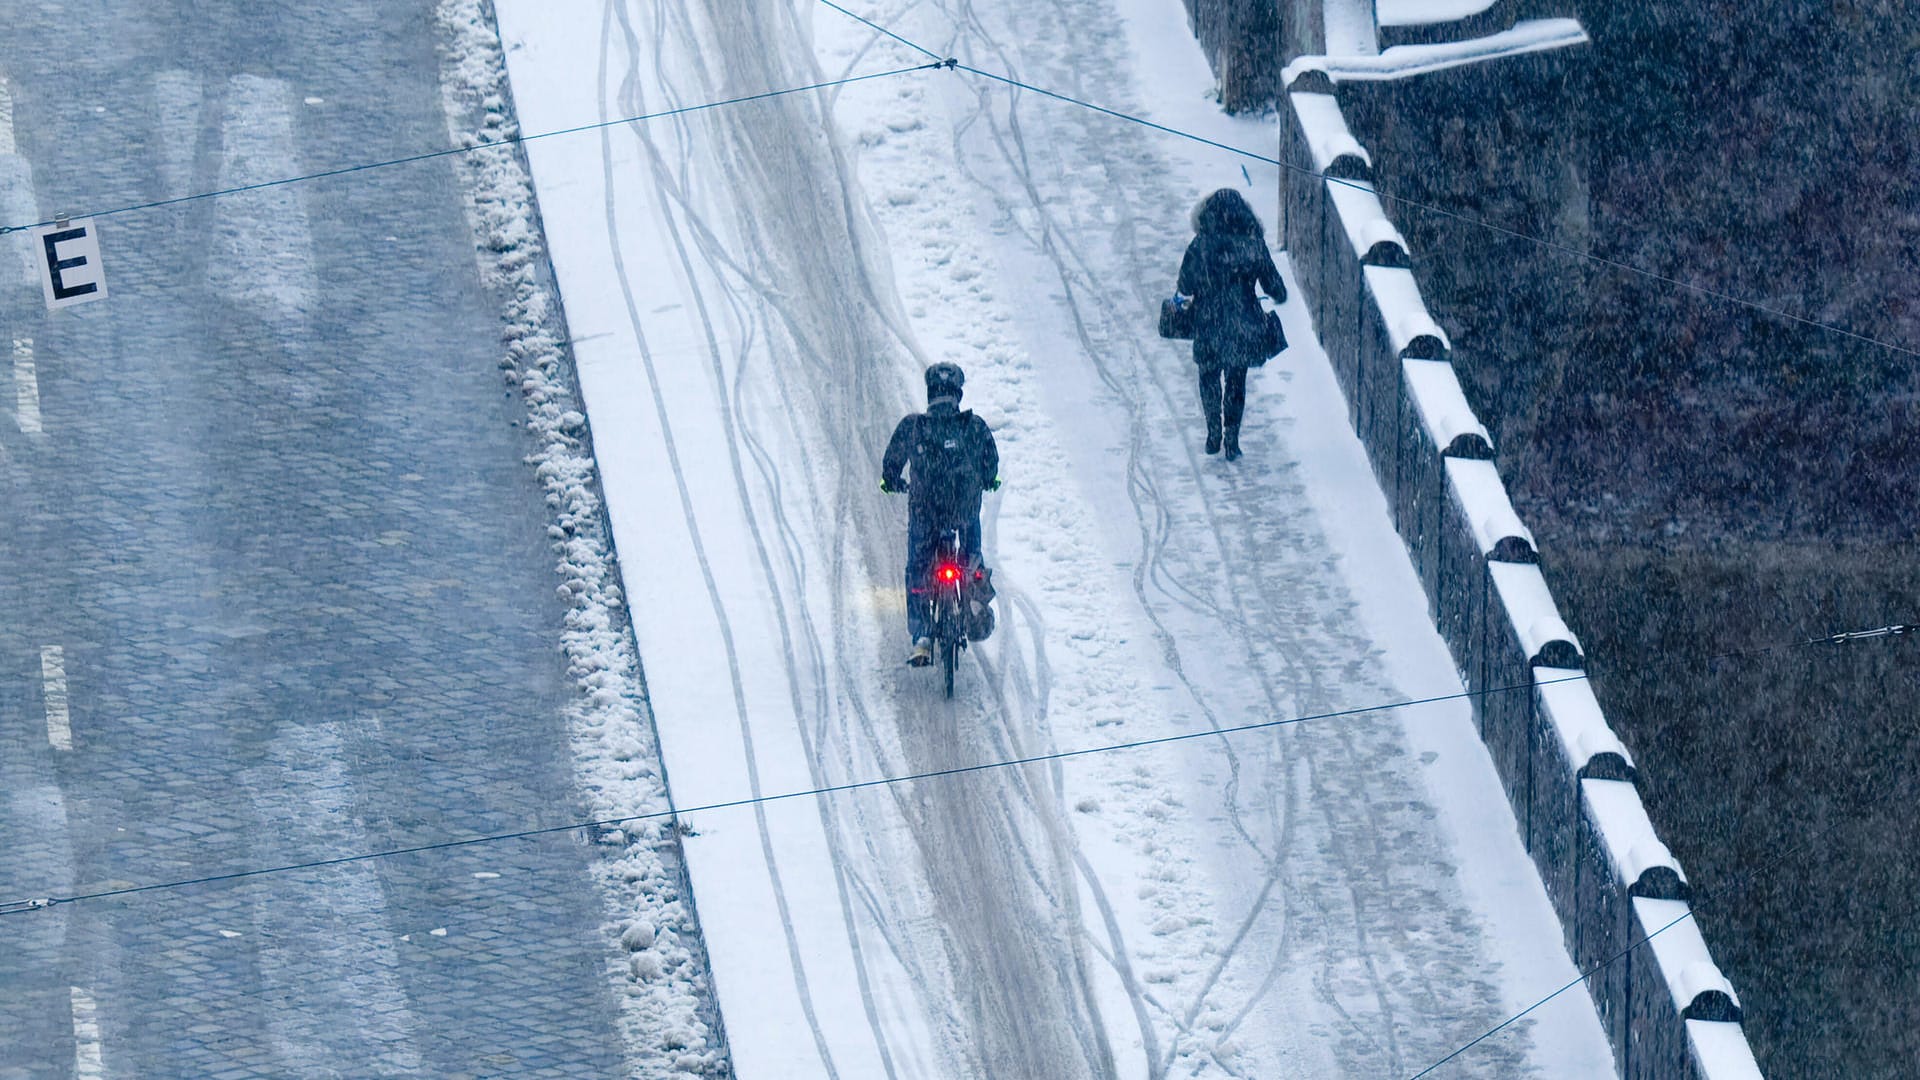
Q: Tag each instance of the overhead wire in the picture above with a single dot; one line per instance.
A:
(37, 903)
(43, 902)
(881, 29)
(481, 144)
(952, 64)
(1740, 883)
(1551, 245)
(949, 63)
(1839, 638)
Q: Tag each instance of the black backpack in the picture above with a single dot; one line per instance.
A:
(946, 463)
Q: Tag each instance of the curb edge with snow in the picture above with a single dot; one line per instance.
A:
(656, 960)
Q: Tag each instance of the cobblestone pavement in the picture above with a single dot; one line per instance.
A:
(278, 535)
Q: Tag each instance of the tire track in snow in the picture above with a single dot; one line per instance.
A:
(1312, 685)
(1152, 508)
(1156, 514)
(700, 554)
(1093, 883)
(634, 102)
(1139, 999)
(714, 250)
(1281, 595)
(932, 1002)
(852, 416)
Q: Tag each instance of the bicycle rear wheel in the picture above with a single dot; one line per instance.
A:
(949, 659)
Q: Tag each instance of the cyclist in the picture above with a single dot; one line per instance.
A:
(952, 460)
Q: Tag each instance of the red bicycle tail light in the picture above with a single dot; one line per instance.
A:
(948, 574)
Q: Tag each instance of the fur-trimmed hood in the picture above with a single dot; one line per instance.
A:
(1225, 211)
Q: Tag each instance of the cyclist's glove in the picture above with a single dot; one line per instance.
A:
(993, 484)
(892, 487)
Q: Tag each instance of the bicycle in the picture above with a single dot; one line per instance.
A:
(953, 576)
(956, 598)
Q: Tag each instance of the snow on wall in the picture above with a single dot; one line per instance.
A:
(1442, 404)
(1402, 61)
(1628, 840)
(1326, 131)
(1530, 609)
(1621, 895)
(1397, 296)
(1364, 221)
(1566, 699)
(1700, 987)
(1720, 1051)
(1350, 27)
(1425, 12)
(1489, 511)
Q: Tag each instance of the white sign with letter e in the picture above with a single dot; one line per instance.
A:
(69, 256)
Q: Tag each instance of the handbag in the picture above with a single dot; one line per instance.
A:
(1176, 318)
(1275, 341)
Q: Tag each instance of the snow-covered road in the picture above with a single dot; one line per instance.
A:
(752, 292)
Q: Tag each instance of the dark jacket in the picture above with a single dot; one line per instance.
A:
(1219, 272)
(953, 460)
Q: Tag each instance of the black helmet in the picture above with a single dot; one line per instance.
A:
(944, 380)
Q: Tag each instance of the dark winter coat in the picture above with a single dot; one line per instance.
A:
(952, 458)
(1227, 257)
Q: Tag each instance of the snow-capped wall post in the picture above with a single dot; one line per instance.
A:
(1667, 1010)
(1574, 744)
(1319, 146)
(1394, 327)
(1436, 426)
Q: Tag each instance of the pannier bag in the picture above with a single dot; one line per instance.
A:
(979, 606)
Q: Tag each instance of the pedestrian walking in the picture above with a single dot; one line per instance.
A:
(1227, 258)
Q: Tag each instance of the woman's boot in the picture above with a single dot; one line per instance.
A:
(1210, 405)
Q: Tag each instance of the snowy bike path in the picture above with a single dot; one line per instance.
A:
(752, 292)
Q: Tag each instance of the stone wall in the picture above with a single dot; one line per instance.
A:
(1621, 897)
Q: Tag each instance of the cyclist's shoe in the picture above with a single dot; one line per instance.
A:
(922, 655)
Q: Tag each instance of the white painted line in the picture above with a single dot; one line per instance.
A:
(176, 129)
(261, 247)
(26, 387)
(17, 204)
(86, 1037)
(6, 118)
(53, 679)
